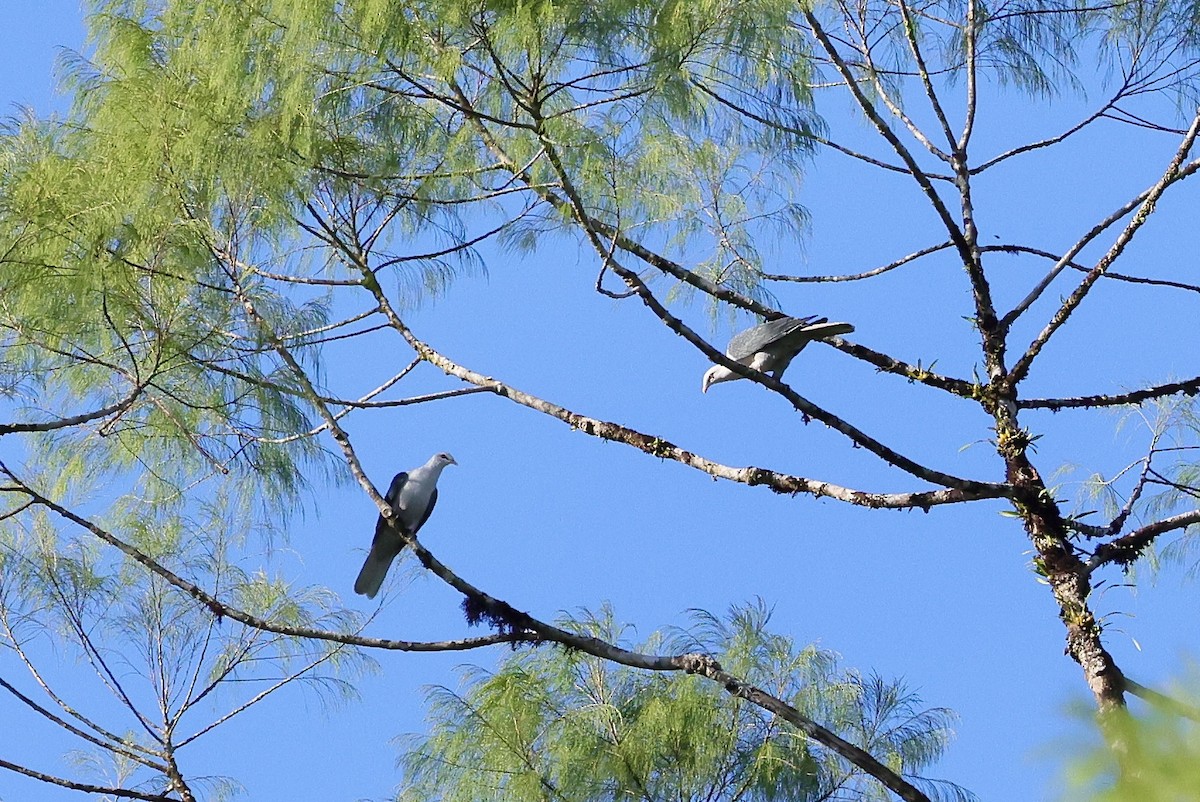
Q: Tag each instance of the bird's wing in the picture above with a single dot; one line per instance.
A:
(428, 511)
(392, 495)
(397, 485)
(789, 344)
(764, 335)
(784, 350)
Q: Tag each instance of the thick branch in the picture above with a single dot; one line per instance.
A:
(600, 232)
(482, 607)
(675, 324)
(707, 667)
(222, 610)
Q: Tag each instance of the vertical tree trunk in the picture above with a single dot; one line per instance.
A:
(1058, 562)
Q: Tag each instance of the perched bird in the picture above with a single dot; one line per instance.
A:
(770, 347)
(412, 495)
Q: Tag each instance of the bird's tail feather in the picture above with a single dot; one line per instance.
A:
(822, 330)
(374, 571)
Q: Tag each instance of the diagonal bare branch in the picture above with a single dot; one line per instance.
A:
(1175, 172)
(963, 490)
(87, 788)
(75, 420)
(675, 324)
(109, 743)
(1067, 259)
(961, 235)
(1127, 548)
(914, 46)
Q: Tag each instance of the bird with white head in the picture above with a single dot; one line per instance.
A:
(770, 347)
(412, 496)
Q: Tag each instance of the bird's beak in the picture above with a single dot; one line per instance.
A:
(453, 461)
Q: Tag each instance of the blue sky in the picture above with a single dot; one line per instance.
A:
(552, 520)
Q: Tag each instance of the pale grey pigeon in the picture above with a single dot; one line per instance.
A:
(770, 347)
(412, 495)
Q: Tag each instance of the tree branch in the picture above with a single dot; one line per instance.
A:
(829, 279)
(110, 743)
(598, 232)
(76, 420)
(914, 373)
(808, 135)
(222, 610)
(513, 626)
(1189, 387)
(1044, 143)
(708, 667)
(868, 108)
(675, 324)
(1127, 548)
(87, 788)
(910, 34)
(1154, 282)
(1068, 257)
(957, 489)
(1175, 172)
(1162, 701)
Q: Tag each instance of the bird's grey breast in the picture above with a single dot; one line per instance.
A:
(414, 498)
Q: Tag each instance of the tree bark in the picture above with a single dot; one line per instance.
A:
(1057, 560)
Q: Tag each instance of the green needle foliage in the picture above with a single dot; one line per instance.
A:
(1151, 756)
(558, 725)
